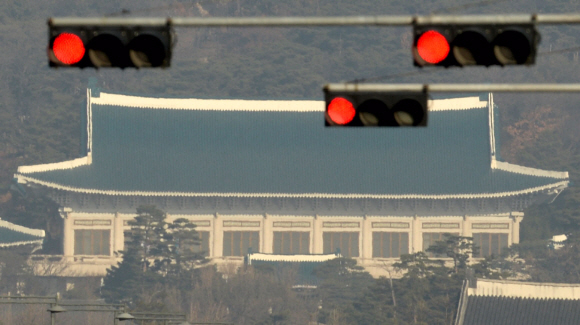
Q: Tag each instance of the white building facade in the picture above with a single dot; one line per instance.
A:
(268, 177)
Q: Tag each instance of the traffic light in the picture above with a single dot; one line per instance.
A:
(356, 108)
(116, 46)
(476, 44)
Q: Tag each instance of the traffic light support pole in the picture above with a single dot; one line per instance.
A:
(319, 21)
(354, 87)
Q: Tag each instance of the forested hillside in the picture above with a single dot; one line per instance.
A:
(40, 107)
(40, 112)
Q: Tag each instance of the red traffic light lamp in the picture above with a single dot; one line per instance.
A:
(475, 44)
(366, 108)
(105, 45)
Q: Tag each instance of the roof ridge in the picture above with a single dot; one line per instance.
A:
(208, 104)
(256, 105)
(525, 290)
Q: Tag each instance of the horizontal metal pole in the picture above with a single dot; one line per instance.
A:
(156, 313)
(211, 323)
(89, 304)
(159, 318)
(475, 19)
(177, 322)
(26, 302)
(93, 310)
(28, 297)
(453, 87)
(106, 21)
(294, 21)
(558, 19)
(318, 21)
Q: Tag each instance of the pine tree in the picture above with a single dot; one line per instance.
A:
(143, 245)
(458, 248)
(156, 252)
(148, 237)
(184, 252)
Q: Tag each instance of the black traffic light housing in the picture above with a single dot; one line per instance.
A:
(475, 44)
(390, 109)
(115, 46)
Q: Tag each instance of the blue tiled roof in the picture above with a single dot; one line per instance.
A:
(526, 311)
(304, 271)
(14, 235)
(207, 151)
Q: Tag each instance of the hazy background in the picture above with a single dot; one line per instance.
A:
(40, 107)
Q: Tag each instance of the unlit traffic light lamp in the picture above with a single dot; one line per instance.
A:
(353, 108)
(116, 46)
(464, 44)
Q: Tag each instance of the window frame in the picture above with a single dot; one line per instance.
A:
(441, 237)
(502, 238)
(331, 247)
(402, 249)
(292, 250)
(248, 237)
(80, 241)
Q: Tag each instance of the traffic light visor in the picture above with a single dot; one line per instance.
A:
(432, 47)
(147, 51)
(512, 47)
(340, 111)
(409, 112)
(106, 50)
(374, 112)
(68, 48)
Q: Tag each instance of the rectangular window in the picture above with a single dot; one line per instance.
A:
(292, 224)
(83, 222)
(201, 223)
(341, 224)
(430, 238)
(92, 242)
(203, 243)
(490, 226)
(390, 244)
(490, 244)
(241, 223)
(346, 242)
(447, 225)
(291, 242)
(390, 225)
(238, 243)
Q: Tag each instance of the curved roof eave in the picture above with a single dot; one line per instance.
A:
(25, 230)
(517, 169)
(557, 185)
(22, 243)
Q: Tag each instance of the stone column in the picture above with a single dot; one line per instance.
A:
(317, 247)
(267, 235)
(517, 217)
(68, 233)
(416, 240)
(119, 235)
(466, 227)
(367, 239)
(217, 249)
